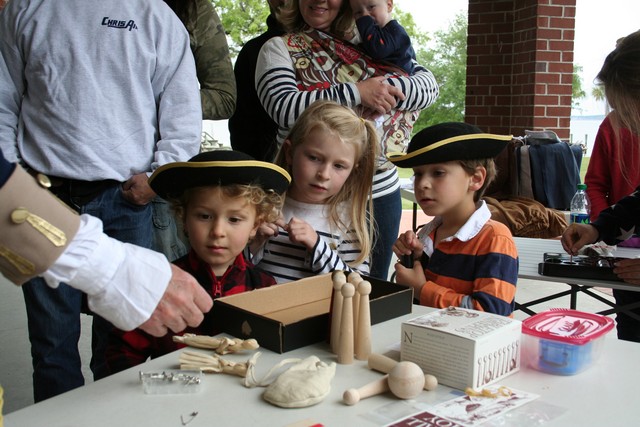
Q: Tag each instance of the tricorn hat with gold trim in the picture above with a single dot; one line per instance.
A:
(449, 141)
(218, 167)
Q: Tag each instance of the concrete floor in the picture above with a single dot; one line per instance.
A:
(15, 359)
(15, 350)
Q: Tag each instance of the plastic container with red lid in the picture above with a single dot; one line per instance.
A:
(563, 342)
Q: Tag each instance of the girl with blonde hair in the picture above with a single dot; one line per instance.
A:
(331, 155)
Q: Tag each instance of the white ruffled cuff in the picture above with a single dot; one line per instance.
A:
(124, 282)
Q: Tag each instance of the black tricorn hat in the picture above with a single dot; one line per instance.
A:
(449, 141)
(218, 167)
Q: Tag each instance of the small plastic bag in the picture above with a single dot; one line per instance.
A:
(171, 381)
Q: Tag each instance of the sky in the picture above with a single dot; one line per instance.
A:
(597, 29)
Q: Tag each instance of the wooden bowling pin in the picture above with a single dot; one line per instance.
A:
(363, 331)
(355, 278)
(345, 346)
(339, 279)
(384, 364)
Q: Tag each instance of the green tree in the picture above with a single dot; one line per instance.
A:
(242, 20)
(598, 93)
(447, 60)
(577, 91)
(418, 38)
(245, 19)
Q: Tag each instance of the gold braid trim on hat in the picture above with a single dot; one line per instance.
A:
(394, 156)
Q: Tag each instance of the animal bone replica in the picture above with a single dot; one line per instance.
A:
(214, 363)
(193, 360)
(222, 345)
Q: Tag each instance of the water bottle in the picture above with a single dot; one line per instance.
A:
(580, 206)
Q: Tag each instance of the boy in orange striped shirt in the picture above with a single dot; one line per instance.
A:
(466, 259)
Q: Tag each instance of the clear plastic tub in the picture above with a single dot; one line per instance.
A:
(562, 341)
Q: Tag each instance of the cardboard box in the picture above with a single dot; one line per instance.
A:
(463, 348)
(295, 314)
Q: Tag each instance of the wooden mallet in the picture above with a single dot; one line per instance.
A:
(384, 364)
(405, 380)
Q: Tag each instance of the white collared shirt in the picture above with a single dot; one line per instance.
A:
(468, 231)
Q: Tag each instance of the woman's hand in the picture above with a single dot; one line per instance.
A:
(301, 232)
(628, 270)
(578, 235)
(378, 95)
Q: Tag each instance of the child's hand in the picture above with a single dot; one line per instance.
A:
(263, 233)
(270, 229)
(301, 232)
(408, 244)
(413, 277)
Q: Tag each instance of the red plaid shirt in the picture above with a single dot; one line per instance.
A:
(127, 349)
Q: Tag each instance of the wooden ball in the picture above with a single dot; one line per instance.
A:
(430, 382)
(351, 396)
(406, 380)
(364, 288)
(338, 276)
(348, 290)
(354, 277)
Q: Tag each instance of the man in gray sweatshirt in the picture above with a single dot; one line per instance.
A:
(96, 94)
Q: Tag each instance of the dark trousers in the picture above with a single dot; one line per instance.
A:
(628, 327)
(54, 314)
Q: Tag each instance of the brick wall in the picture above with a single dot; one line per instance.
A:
(520, 65)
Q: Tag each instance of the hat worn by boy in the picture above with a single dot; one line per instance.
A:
(450, 141)
(218, 167)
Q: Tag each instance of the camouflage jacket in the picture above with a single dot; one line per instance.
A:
(213, 64)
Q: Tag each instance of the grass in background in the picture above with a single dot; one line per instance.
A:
(583, 167)
(407, 173)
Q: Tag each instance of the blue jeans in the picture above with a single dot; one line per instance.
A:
(54, 314)
(387, 212)
(165, 231)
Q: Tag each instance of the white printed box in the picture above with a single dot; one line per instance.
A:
(463, 348)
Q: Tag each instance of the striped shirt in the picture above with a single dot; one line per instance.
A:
(334, 250)
(280, 93)
(476, 268)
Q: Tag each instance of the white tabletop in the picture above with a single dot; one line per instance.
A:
(531, 251)
(604, 394)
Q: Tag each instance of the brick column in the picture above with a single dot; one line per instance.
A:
(520, 65)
